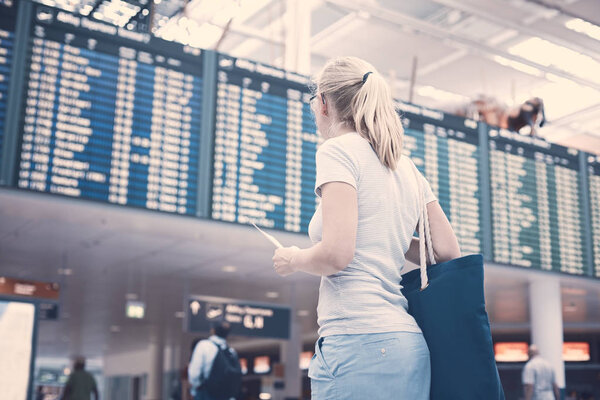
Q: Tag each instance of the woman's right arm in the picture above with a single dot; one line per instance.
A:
(443, 239)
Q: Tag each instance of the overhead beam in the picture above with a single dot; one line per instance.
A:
(396, 19)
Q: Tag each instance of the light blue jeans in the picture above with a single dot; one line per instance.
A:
(385, 366)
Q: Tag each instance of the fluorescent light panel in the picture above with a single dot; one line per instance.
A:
(584, 27)
(548, 54)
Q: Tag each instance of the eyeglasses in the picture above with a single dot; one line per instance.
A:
(315, 96)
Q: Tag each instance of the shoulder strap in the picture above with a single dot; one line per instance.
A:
(425, 245)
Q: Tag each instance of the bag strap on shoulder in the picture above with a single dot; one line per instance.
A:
(425, 245)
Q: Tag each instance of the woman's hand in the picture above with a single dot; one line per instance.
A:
(282, 260)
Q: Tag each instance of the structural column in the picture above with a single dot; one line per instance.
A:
(545, 309)
(297, 36)
(155, 375)
(290, 353)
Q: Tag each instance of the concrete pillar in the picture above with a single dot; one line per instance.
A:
(156, 362)
(545, 309)
(297, 36)
(290, 353)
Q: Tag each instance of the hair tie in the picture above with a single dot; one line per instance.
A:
(365, 76)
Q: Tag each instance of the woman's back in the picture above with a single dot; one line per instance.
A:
(365, 296)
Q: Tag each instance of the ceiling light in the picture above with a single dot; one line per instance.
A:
(67, 371)
(363, 14)
(179, 314)
(272, 295)
(115, 328)
(65, 271)
(546, 53)
(518, 66)
(131, 296)
(581, 26)
(229, 268)
(303, 313)
(439, 94)
(145, 11)
(265, 396)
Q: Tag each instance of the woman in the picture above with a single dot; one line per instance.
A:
(369, 346)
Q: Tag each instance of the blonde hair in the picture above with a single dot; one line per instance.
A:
(362, 100)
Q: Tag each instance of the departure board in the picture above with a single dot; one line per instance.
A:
(537, 216)
(110, 115)
(7, 39)
(265, 146)
(445, 148)
(594, 188)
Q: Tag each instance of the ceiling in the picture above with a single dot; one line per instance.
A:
(102, 254)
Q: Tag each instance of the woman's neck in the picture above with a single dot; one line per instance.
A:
(341, 129)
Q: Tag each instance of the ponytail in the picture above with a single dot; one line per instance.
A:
(363, 101)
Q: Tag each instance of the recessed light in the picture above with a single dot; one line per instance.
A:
(229, 268)
(303, 313)
(272, 295)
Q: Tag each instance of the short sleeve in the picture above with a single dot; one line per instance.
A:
(528, 375)
(335, 164)
(429, 196)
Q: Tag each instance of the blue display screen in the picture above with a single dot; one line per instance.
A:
(265, 146)
(593, 164)
(110, 115)
(445, 148)
(7, 41)
(537, 216)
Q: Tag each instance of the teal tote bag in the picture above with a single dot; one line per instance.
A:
(448, 303)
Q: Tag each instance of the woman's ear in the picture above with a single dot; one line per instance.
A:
(323, 107)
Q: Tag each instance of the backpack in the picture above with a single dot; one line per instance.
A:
(225, 378)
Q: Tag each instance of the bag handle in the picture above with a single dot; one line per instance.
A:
(425, 246)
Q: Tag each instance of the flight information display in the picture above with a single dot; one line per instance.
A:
(445, 148)
(265, 146)
(110, 115)
(537, 216)
(7, 40)
(594, 188)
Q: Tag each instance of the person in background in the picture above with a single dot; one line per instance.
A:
(205, 354)
(369, 346)
(81, 384)
(572, 395)
(538, 378)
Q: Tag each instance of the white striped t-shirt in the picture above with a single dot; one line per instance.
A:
(365, 296)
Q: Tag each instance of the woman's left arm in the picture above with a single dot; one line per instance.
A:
(335, 251)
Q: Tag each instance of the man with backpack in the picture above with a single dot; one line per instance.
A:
(214, 371)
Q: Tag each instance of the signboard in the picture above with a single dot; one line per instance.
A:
(445, 148)
(17, 335)
(265, 146)
(48, 311)
(511, 351)
(135, 309)
(576, 351)
(246, 318)
(31, 289)
(110, 115)
(537, 215)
